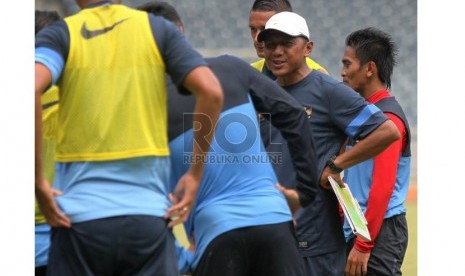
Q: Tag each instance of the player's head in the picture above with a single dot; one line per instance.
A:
(287, 43)
(45, 18)
(271, 5)
(371, 47)
(260, 13)
(165, 10)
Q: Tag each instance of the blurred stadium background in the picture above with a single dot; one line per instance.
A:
(217, 27)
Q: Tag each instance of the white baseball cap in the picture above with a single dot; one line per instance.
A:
(286, 22)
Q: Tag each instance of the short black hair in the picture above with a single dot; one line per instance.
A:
(372, 44)
(272, 5)
(44, 18)
(162, 9)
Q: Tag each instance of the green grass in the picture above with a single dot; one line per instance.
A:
(409, 267)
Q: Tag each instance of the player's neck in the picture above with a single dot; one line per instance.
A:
(371, 88)
(294, 77)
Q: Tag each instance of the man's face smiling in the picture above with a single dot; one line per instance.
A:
(285, 55)
(257, 21)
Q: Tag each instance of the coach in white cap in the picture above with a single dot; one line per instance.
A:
(287, 29)
(287, 22)
(335, 112)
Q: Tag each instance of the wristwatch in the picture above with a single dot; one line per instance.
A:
(332, 166)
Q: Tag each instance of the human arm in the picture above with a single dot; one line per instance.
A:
(188, 71)
(290, 118)
(204, 85)
(51, 49)
(368, 147)
(44, 193)
(382, 186)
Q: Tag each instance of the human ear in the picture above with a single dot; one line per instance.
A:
(308, 48)
(371, 69)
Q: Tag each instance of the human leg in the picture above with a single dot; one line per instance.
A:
(390, 246)
(275, 250)
(330, 264)
(226, 255)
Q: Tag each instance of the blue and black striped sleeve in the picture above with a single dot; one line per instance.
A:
(350, 112)
(52, 47)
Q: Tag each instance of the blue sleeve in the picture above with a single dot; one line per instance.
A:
(52, 60)
(52, 47)
(365, 122)
(179, 56)
(352, 113)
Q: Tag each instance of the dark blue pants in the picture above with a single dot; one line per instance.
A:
(390, 245)
(123, 245)
(329, 264)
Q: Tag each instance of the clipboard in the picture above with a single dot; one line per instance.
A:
(352, 210)
(179, 233)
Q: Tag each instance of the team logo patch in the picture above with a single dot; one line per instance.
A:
(88, 34)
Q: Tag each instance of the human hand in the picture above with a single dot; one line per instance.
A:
(324, 182)
(46, 200)
(357, 263)
(292, 198)
(183, 199)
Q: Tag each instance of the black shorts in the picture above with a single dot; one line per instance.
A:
(123, 245)
(390, 246)
(268, 250)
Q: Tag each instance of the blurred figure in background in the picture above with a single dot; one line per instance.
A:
(44, 18)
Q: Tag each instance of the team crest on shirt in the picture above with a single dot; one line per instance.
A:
(308, 110)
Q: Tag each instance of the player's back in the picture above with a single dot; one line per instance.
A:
(237, 177)
(237, 158)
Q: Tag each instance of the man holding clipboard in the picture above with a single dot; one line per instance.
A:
(379, 184)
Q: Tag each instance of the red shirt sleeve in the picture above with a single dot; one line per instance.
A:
(384, 179)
